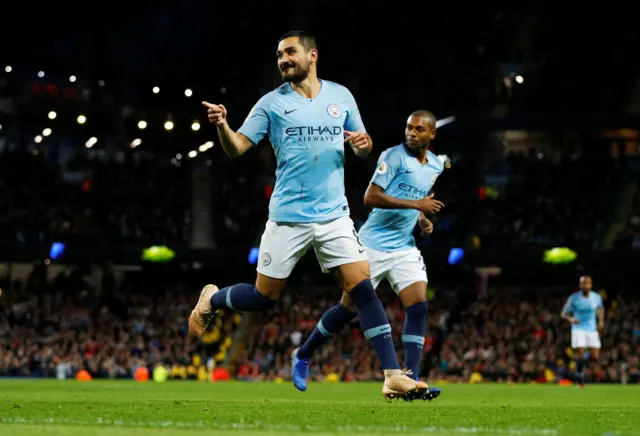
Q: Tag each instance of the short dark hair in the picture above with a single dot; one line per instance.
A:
(307, 40)
(425, 114)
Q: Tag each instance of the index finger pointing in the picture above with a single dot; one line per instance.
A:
(209, 105)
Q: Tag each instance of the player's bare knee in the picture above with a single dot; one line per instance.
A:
(270, 287)
(413, 294)
(351, 275)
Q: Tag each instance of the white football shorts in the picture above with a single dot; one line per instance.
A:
(401, 268)
(584, 339)
(283, 245)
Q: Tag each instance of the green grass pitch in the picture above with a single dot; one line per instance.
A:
(115, 408)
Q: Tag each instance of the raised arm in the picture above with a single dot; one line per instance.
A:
(251, 132)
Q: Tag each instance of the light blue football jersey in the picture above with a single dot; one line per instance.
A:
(400, 175)
(307, 136)
(584, 309)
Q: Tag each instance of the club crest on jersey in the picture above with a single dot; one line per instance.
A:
(382, 168)
(334, 110)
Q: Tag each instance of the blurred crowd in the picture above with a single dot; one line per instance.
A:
(629, 237)
(82, 319)
(144, 200)
(111, 324)
(520, 337)
(503, 338)
(92, 200)
(550, 201)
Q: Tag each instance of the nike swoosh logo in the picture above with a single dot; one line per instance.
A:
(288, 112)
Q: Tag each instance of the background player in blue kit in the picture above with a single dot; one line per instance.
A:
(307, 120)
(399, 195)
(581, 310)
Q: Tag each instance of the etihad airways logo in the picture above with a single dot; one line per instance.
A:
(313, 133)
(413, 191)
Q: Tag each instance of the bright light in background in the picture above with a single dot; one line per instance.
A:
(168, 125)
(91, 142)
(445, 121)
(46, 132)
(193, 154)
(142, 124)
(38, 139)
(56, 250)
(455, 256)
(52, 115)
(188, 92)
(519, 79)
(72, 79)
(206, 146)
(8, 69)
(0, 126)
(178, 156)
(195, 126)
(101, 83)
(156, 89)
(136, 142)
(253, 256)
(82, 119)
(40, 74)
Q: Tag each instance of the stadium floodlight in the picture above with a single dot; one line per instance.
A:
(168, 125)
(52, 115)
(156, 89)
(193, 154)
(136, 142)
(8, 69)
(178, 156)
(41, 74)
(46, 132)
(188, 92)
(91, 142)
(72, 79)
(195, 126)
(142, 124)
(38, 139)
(519, 79)
(82, 119)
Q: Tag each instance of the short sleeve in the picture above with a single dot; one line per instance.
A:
(353, 120)
(256, 125)
(598, 301)
(388, 165)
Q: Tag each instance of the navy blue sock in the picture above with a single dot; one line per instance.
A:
(243, 298)
(580, 370)
(374, 323)
(331, 322)
(413, 336)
